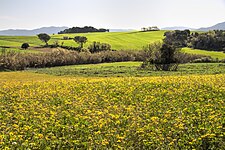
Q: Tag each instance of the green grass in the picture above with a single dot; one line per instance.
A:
(123, 69)
(9, 43)
(213, 54)
(118, 40)
(19, 40)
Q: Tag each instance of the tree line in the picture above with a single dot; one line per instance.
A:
(85, 29)
(167, 56)
(212, 40)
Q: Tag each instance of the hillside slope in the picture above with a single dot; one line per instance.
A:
(118, 40)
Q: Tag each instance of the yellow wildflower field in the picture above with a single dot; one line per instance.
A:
(176, 112)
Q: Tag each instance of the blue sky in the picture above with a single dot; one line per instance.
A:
(129, 14)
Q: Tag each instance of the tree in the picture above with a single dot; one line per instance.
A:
(161, 56)
(177, 38)
(212, 40)
(80, 40)
(164, 56)
(44, 38)
(25, 46)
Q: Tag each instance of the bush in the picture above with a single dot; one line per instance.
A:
(20, 61)
(71, 48)
(25, 45)
(98, 47)
(204, 60)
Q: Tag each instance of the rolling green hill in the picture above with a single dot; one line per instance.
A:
(118, 40)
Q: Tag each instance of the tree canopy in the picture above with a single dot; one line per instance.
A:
(80, 40)
(212, 40)
(44, 38)
(85, 29)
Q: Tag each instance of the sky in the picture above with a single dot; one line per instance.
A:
(110, 14)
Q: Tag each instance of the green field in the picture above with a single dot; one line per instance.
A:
(118, 40)
(213, 54)
(130, 69)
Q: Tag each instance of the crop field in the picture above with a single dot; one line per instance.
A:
(47, 112)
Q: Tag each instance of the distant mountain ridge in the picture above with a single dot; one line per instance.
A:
(219, 26)
(21, 32)
(177, 28)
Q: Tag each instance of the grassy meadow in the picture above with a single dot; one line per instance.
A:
(118, 40)
(213, 54)
(130, 69)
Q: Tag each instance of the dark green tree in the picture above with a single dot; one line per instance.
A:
(44, 38)
(212, 40)
(80, 40)
(161, 56)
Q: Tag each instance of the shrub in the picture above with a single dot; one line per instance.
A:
(18, 61)
(204, 60)
(25, 45)
(70, 48)
(98, 47)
